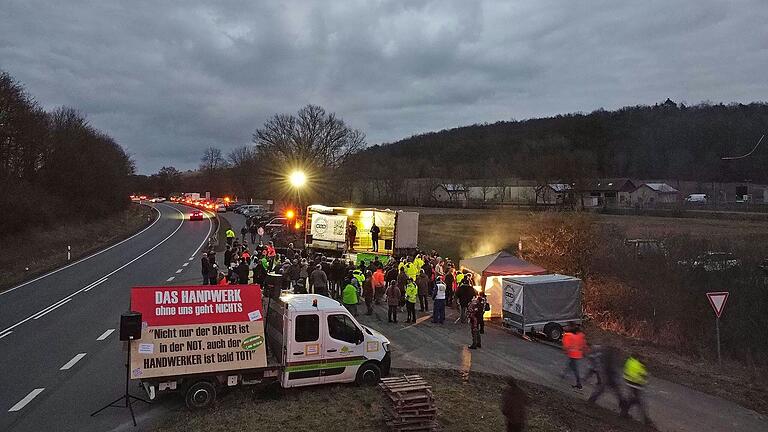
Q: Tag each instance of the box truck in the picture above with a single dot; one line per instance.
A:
(199, 339)
(543, 304)
(326, 229)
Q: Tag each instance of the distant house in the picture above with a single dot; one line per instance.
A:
(553, 193)
(485, 193)
(612, 192)
(654, 193)
(450, 192)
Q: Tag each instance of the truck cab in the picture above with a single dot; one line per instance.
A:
(319, 342)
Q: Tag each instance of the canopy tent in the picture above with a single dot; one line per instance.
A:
(491, 268)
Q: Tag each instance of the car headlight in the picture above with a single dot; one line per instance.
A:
(385, 345)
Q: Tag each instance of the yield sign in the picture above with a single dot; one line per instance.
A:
(717, 300)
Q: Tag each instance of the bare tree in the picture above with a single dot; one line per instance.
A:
(312, 138)
(212, 160)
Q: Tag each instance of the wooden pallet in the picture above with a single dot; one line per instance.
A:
(412, 406)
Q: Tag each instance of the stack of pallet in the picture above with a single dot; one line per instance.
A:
(412, 405)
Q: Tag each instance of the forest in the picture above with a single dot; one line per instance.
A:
(665, 141)
(54, 166)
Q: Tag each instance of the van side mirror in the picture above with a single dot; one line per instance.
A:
(360, 337)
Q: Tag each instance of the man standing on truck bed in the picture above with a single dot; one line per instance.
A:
(351, 234)
(375, 237)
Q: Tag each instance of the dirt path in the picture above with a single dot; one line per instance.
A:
(672, 407)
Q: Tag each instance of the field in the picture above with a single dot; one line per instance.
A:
(37, 251)
(460, 233)
(464, 403)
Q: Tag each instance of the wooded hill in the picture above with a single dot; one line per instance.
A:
(667, 140)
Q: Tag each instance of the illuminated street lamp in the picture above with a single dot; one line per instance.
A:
(297, 179)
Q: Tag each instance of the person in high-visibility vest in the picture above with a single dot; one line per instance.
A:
(574, 345)
(411, 293)
(636, 377)
(230, 236)
(358, 282)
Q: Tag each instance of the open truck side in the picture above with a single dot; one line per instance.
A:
(296, 340)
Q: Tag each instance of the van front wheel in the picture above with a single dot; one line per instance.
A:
(369, 374)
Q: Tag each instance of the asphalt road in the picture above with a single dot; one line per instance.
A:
(59, 349)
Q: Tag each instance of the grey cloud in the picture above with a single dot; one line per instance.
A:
(168, 79)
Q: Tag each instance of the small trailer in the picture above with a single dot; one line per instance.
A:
(197, 340)
(542, 304)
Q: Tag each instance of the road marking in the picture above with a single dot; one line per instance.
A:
(185, 264)
(170, 279)
(5, 334)
(105, 334)
(72, 362)
(179, 271)
(51, 308)
(27, 399)
(191, 258)
(90, 287)
(83, 259)
(107, 275)
(418, 321)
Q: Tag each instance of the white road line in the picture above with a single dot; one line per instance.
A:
(191, 258)
(72, 362)
(90, 287)
(105, 276)
(62, 303)
(105, 334)
(179, 271)
(185, 264)
(418, 321)
(83, 259)
(46, 309)
(170, 279)
(27, 399)
(5, 334)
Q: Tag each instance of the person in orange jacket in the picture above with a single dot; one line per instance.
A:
(574, 345)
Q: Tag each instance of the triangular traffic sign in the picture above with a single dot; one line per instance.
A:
(717, 300)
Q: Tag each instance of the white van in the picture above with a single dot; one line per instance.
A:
(311, 339)
(697, 198)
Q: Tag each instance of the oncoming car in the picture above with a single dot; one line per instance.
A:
(196, 215)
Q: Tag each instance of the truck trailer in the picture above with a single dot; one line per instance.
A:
(543, 304)
(326, 230)
(197, 340)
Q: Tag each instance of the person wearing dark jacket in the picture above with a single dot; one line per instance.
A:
(603, 360)
(242, 272)
(449, 278)
(393, 301)
(513, 403)
(213, 269)
(228, 256)
(368, 293)
(244, 232)
(464, 294)
(205, 268)
(423, 284)
(318, 280)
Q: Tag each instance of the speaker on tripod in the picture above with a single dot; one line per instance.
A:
(130, 330)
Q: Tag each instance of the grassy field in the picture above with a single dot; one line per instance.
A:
(37, 251)
(465, 403)
(459, 233)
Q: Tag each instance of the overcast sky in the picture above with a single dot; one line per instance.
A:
(168, 79)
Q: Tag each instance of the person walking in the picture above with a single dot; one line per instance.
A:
(513, 403)
(375, 237)
(368, 293)
(349, 298)
(475, 313)
(603, 363)
(230, 236)
(465, 294)
(318, 280)
(253, 229)
(205, 268)
(411, 293)
(636, 377)
(438, 309)
(423, 283)
(574, 345)
(393, 301)
(244, 232)
(243, 271)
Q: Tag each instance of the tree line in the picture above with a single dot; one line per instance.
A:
(663, 141)
(54, 165)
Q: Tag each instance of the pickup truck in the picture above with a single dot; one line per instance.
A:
(301, 340)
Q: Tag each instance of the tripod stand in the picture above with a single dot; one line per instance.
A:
(127, 398)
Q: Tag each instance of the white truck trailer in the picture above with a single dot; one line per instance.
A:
(303, 339)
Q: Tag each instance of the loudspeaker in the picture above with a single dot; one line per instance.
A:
(130, 326)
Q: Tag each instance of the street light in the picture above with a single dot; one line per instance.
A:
(297, 179)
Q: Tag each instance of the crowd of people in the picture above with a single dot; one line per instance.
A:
(402, 284)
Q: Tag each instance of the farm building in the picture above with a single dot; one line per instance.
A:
(612, 192)
(654, 193)
(450, 192)
(553, 193)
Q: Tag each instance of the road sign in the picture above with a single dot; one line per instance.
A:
(717, 300)
(260, 231)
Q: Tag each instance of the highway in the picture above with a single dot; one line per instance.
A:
(59, 349)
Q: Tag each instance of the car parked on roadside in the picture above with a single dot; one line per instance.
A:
(713, 262)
